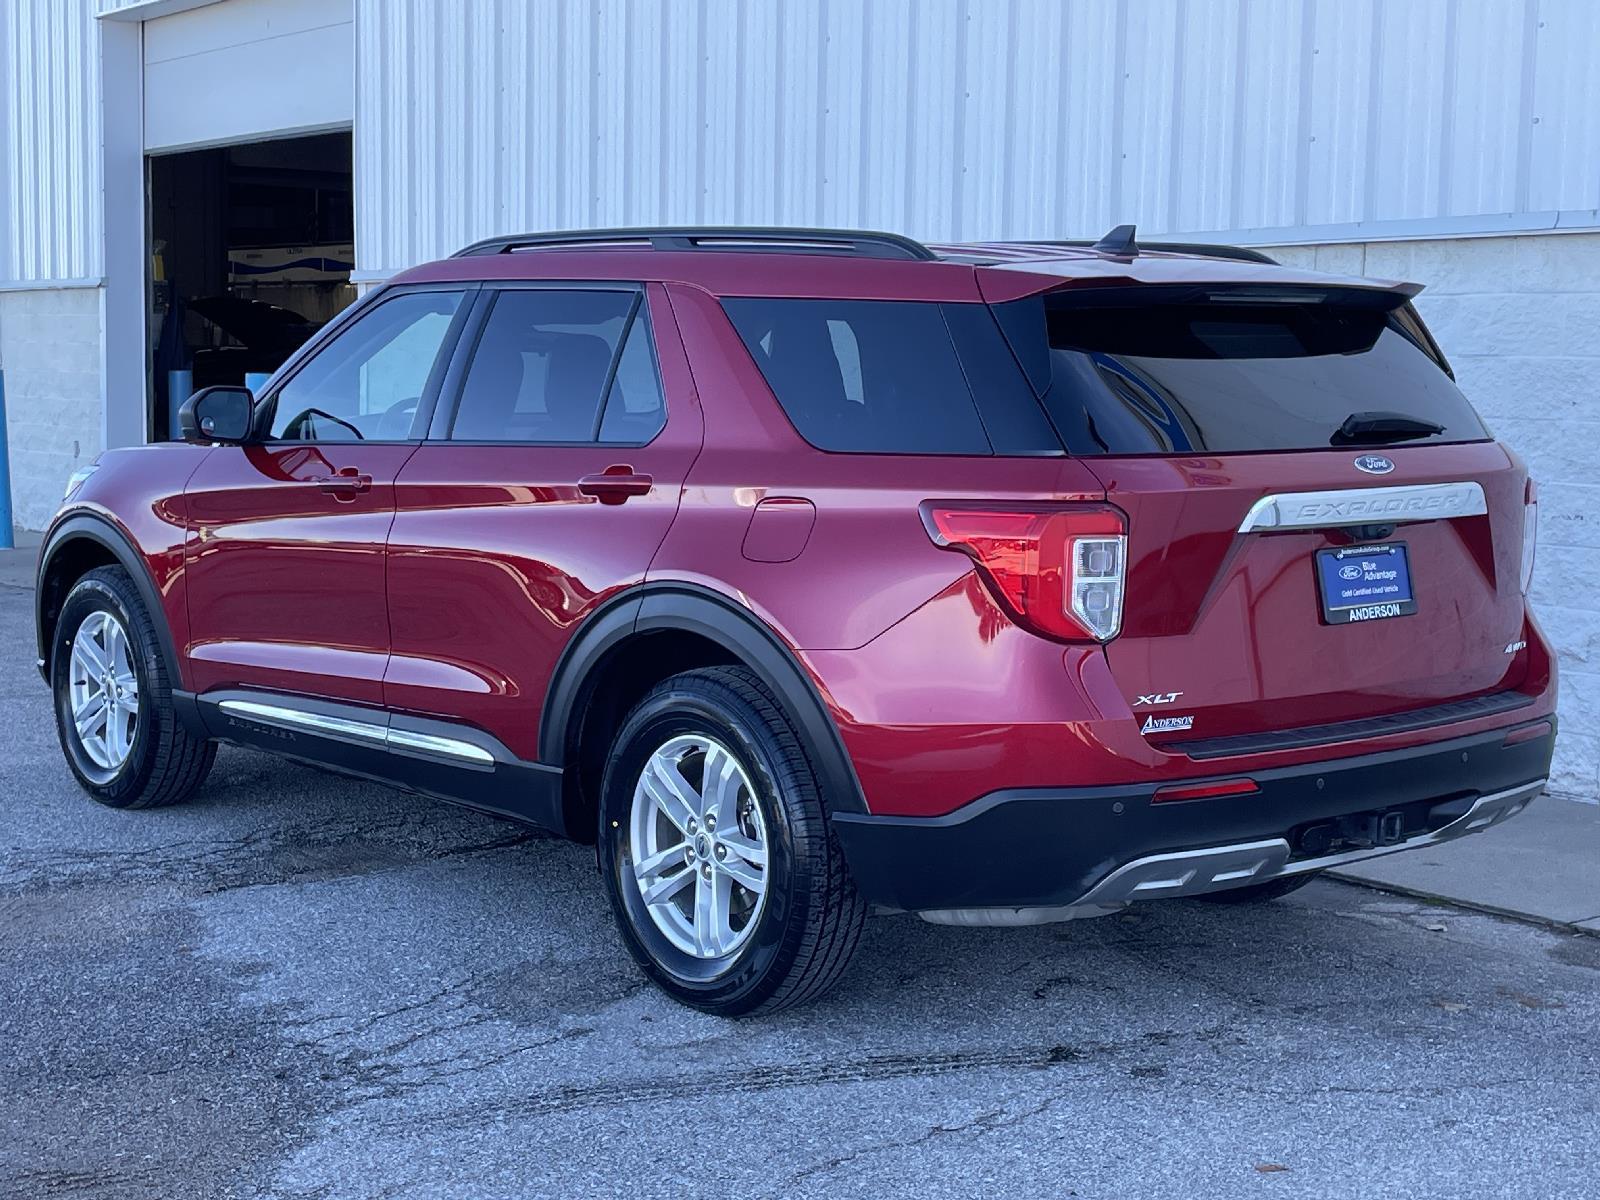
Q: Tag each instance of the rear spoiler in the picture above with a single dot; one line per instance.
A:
(1002, 282)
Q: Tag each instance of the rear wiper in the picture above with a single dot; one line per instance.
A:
(1374, 427)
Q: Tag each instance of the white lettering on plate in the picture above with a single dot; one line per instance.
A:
(1370, 612)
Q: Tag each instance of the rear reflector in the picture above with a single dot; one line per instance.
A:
(1203, 791)
(1057, 569)
(1530, 535)
(1527, 733)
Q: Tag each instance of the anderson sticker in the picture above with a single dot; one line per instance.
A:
(1166, 724)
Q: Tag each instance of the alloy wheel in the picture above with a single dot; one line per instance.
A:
(699, 847)
(103, 690)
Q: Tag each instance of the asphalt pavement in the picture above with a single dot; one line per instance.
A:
(300, 986)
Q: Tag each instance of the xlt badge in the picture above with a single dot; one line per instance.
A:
(1157, 698)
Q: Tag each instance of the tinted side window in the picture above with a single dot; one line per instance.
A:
(541, 365)
(1012, 417)
(366, 383)
(635, 410)
(869, 376)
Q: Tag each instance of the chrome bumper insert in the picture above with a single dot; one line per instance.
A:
(1216, 868)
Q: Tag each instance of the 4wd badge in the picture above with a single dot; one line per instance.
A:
(1166, 724)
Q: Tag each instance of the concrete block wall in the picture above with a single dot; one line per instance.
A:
(1519, 319)
(50, 353)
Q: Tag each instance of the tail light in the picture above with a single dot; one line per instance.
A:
(1057, 570)
(1530, 534)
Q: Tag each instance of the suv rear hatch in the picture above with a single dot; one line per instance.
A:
(1320, 529)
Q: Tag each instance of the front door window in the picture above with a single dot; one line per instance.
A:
(366, 384)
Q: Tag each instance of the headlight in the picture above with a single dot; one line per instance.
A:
(75, 480)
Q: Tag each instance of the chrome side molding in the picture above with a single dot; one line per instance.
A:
(1366, 506)
(373, 733)
(432, 745)
(312, 722)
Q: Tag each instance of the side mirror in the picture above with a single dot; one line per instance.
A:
(218, 414)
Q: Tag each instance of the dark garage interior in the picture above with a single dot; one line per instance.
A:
(251, 248)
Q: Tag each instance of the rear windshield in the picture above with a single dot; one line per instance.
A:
(894, 376)
(1174, 373)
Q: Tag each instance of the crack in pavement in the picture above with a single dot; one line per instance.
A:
(1000, 1118)
(381, 1073)
(372, 1020)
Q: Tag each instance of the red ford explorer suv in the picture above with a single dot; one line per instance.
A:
(806, 572)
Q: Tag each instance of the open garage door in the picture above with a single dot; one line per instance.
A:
(243, 70)
(250, 254)
(248, 106)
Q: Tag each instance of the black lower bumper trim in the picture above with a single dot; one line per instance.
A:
(1049, 847)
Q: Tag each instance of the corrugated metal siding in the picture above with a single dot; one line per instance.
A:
(943, 118)
(1563, 169)
(968, 118)
(50, 141)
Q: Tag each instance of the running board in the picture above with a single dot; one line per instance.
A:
(443, 759)
(1217, 868)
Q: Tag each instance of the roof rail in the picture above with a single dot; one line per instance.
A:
(860, 243)
(1209, 249)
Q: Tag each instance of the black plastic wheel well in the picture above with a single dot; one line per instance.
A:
(611, 690)
(69, 562)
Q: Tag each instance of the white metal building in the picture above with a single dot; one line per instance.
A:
(1453, 142)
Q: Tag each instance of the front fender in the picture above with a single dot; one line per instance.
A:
(84, 535)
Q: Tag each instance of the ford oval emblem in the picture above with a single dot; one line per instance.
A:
(1350, 572)
(1374, 464)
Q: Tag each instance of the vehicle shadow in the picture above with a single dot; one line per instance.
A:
(525, 916)
(1331, 948)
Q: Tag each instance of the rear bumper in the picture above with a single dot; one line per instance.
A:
(1055, 848)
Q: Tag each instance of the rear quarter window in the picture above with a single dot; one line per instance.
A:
(886, 376)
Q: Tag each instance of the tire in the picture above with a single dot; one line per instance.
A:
(1259, 893)
(785, 946)
(160, 762)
